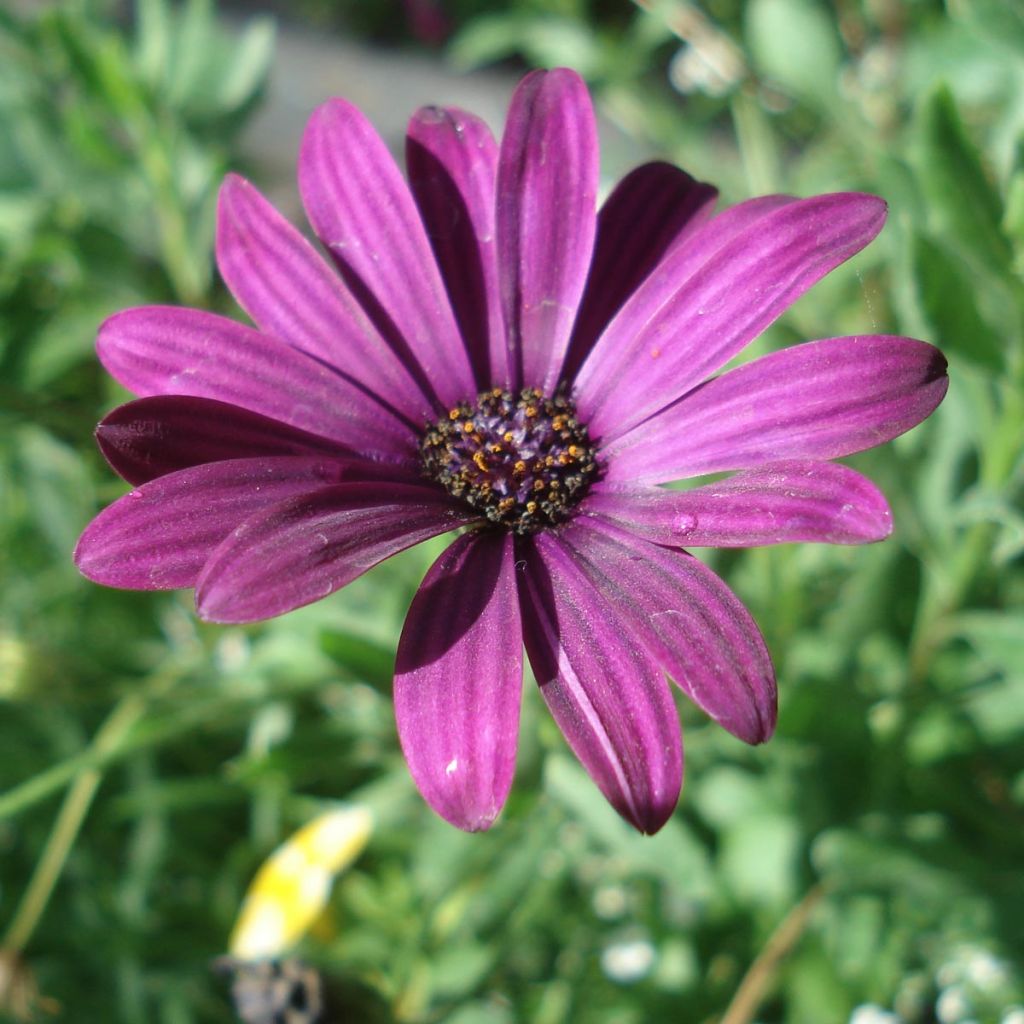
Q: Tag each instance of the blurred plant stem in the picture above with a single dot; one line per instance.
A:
(757, 144)
(154, 147)
(67, 825)
(755, 983)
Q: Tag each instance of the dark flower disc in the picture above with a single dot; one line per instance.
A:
(524, 461)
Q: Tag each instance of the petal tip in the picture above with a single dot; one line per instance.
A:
(653, 819)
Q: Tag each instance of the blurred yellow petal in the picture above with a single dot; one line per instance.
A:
(291, 889)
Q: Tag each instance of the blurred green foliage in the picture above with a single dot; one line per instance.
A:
(867, 861)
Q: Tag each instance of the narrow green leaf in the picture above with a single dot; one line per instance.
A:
(363, 658)
(246, 73)
(152, 40)
(965, 203)
(948, 294)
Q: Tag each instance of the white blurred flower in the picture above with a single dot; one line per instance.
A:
(629, 961)
(952, 1006)
(985, 971)
(869, 1013)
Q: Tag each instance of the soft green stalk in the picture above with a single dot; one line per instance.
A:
(67, 825)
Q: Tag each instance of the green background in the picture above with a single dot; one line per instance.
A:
(864, 866)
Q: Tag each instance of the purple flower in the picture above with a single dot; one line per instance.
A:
(491, 354)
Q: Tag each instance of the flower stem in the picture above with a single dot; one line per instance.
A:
(756, 144)
(754, 985)
(67, 825)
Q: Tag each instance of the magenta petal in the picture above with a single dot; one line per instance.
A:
(820, 400)
(688, 619)
(281, 281)
(660, 346)
(604, 690)
(302, 550)
(150, 437)
(452, 160)
(776, 504)
(546, 220)
(698, 242)
(363, 213)
(458, 681)
(158, 536)
(653, 210)
(164, 350)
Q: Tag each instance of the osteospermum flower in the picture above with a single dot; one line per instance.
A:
(491, 355)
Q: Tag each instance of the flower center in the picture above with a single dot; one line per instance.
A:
(524, 461)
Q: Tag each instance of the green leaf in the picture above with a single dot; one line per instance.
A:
(486, 39)
(458, 969)
(244, 76)
(57, 488)
(758, 857)
(997, 636)
(794, 43)
(1013, 219)
(152, 40)
(364, 658)
(68, 336)
(862, 862)
(1000, 21)
(195, 32)
(966, 205)
(947, 293)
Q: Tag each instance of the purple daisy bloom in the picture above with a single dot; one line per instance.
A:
(491, 353)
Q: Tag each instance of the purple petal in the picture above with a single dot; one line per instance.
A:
(604, 690)
(301, 550)
(158, 536)
(651, 212)
(820, 400)
(660, 346)
(362, 211)
(151, 437)
(458, 680)
(776, 504)
(689, 620)
(698, 242)
(164, 350)
(452, 160)
(281, 281)
(546, 221)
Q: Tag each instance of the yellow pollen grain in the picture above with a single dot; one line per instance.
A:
(508, 437)
(495, 448)
(575, 451)
(519, 468)
(538, 485)
(505, 504)
(467, 427)
(530, 411)
(481, 461)
(454, 414)
(531, 507)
